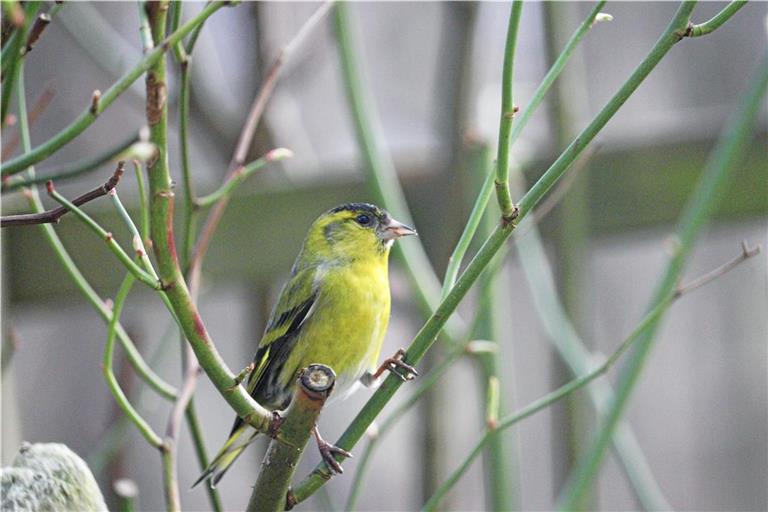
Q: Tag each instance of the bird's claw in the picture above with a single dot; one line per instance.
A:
(327, 452)
(395, 363)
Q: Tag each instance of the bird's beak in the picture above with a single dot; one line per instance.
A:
(392, 230)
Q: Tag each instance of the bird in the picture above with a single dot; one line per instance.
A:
(333, 310)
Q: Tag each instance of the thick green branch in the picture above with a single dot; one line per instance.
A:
(482, 259)
(134, 357)
(696, 213)
(161, 221)
(280, 462)
(89, 115)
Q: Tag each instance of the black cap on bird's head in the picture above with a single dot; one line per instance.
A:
(371, 216)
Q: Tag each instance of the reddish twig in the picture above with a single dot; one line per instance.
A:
(40, 105)
(53, 216)
(248, 132)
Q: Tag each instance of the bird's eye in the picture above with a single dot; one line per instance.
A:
(363, 220)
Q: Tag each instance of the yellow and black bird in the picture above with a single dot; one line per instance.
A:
(334, 310)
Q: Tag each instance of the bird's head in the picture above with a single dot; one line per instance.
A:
(355, 231)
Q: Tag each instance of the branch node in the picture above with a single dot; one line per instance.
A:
(290, 500)
(508, 218)
(109, 238)
(95, 99)
(240, 377)
(274, 426)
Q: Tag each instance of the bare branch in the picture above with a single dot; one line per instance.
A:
(53, 216)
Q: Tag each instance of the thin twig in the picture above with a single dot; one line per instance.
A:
(746, 253)
(248, 132)
(53, 216)
(38, 108)
(173, 427)
(138, 272)
(427, 334)
(146, 373)
(240, 175)
(696, 212)
(122, 151)
(508, 111)
(647, 322)
(86, 117)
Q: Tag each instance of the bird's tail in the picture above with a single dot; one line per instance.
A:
(232, 449)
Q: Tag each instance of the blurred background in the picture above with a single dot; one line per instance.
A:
(699, 413)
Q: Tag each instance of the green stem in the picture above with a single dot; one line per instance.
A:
(170, 483)
(713, 24)
(141, 187)
(202, 455)
(502, 481)
(454, 262)
(88, 116)
(269, 494)
(114, 387)
(483, 156)
(74, 169)
(425, 383)
(506, 205)
(696, 213)
(145, 33)
(142, 369)
(565, 339)
(240, 175)
(161, 220)
(178, 49)
(190, 215)
(139, 273)
(548, 400)
(15, 59)
(482, 259)
(671, 36)
(138, 244)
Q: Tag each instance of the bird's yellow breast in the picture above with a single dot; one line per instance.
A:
(347, 328)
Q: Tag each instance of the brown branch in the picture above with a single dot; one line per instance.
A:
(53, 216)
(746, 253)
(185, 395)
(40, 105)
(248, 132)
